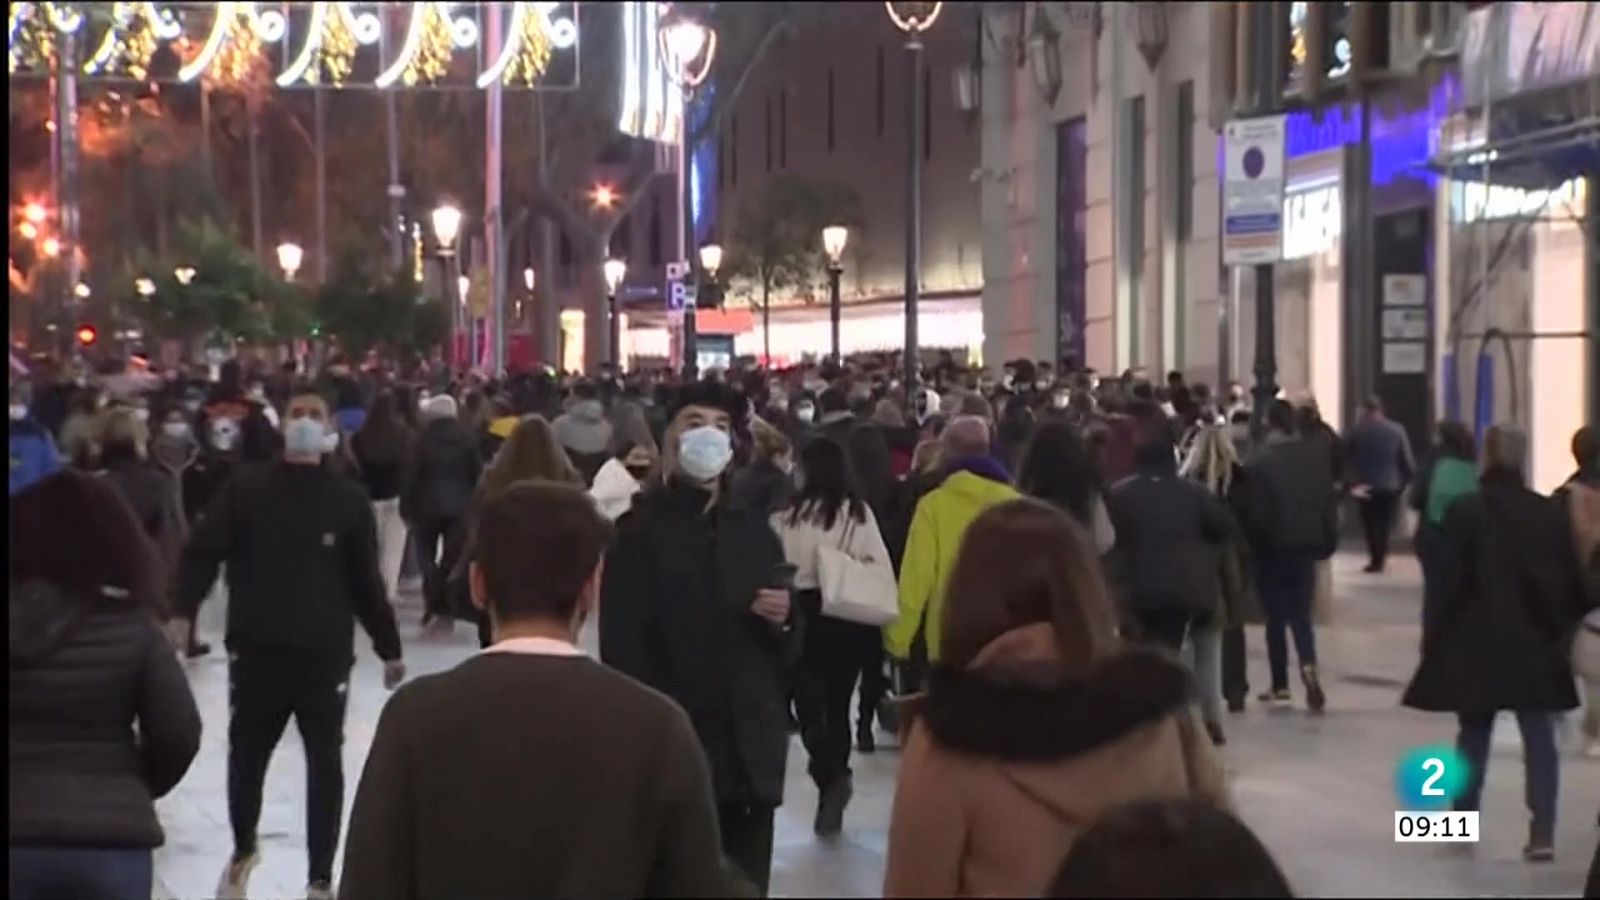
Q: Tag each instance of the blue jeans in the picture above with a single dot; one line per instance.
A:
(1287, 583)
(84, 873)
(1541, 765)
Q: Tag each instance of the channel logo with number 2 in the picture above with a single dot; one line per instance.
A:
(1430, 777)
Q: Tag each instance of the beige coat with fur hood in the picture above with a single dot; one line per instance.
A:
(1006, 763)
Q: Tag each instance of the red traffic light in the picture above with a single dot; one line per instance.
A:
(87, 335)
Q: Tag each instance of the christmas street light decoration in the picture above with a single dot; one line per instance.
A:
(31, 40)
(527, 54)
(330, 48)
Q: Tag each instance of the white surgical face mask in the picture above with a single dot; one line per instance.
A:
(141, 414)
(303, 436)
(805, 412)
(224, 434)
(704, 452)
(175, 430)
(18, 412)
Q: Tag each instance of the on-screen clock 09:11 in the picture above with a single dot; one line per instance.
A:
(1435, 827)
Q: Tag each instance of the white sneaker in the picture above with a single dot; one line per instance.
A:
(236, 877)
(320, 890)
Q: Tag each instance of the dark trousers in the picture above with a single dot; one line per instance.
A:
(1377, 521)
(1164, 627)
(874, 680)
(1541, 765)
(1286, 583)
(264, 691)
(437, 562)
(826, 677)
(1235, 681)
(747, 841)
(83, 873)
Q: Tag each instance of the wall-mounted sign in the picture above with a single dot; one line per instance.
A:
(1405, 358)
(1405, 324)
(1405, 290)
(1312, 221)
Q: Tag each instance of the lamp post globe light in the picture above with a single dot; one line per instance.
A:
(913, 19)
(688, 48)
(710, 262)
(446, 221)
(290, 256)
(144, 287)
(834, 238)
(184, 274)
(615, 270)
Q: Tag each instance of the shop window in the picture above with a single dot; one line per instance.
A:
(927, 113)
(783, 129)
(880, 109)
(830, 110)
(1185, 160)
(769, 133)
(1072, 256)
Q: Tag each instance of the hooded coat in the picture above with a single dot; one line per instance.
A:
(83, 674)
(937, 528)
(1007, 762)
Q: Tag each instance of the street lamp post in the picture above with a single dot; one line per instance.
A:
(710, 262)
(446, 228)
(615, 270)
(833, 241)
(687, 50)
(528, 282)
(289, 258)
(913, 19)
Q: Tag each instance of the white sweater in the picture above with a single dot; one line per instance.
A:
(800, 543)
(613, 490)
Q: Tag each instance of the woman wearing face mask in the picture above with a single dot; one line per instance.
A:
(695, 604)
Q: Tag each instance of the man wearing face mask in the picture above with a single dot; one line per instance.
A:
(33, 452)
(301, 548)
(695, 603)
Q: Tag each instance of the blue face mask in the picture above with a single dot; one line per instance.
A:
(704, 452)
(305, 437)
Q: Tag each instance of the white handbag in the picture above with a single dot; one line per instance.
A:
(856, 590)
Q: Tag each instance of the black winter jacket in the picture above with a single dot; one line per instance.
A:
(443, 474)
(761, 487)
(1288, 499)
(102, 721)
(1169, 530)
(675, 614)
(301, 546)
(1496, 632)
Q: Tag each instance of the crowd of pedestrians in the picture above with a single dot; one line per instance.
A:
(1038, 584)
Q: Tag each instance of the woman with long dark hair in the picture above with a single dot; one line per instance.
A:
(1037, 719)
(828, 510)
(382, 448)
(102, 719)
(531, 453)
(1059, 468)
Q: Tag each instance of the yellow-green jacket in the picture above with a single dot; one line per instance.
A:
(937, 528)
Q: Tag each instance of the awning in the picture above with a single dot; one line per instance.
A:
(1539, 158)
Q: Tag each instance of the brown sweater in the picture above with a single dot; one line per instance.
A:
(518, 775)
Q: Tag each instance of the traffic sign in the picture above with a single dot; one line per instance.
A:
(1252, 191)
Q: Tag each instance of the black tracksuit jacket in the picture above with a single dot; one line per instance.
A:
(301, 548)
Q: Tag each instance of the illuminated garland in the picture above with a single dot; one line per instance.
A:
(336, 52)
(533, 51)
(128, 45)
(432, 59)
(239, 61)
(31, 40)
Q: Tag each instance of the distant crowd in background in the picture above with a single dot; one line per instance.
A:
(1029, 578)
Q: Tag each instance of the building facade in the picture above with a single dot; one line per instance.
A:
(1417, 263)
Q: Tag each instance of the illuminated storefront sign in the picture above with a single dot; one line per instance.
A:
(1472, 201)
(1313, 219)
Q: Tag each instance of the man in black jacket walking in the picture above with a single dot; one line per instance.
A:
(693, 605)
(1288, 509)
(301, 549)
